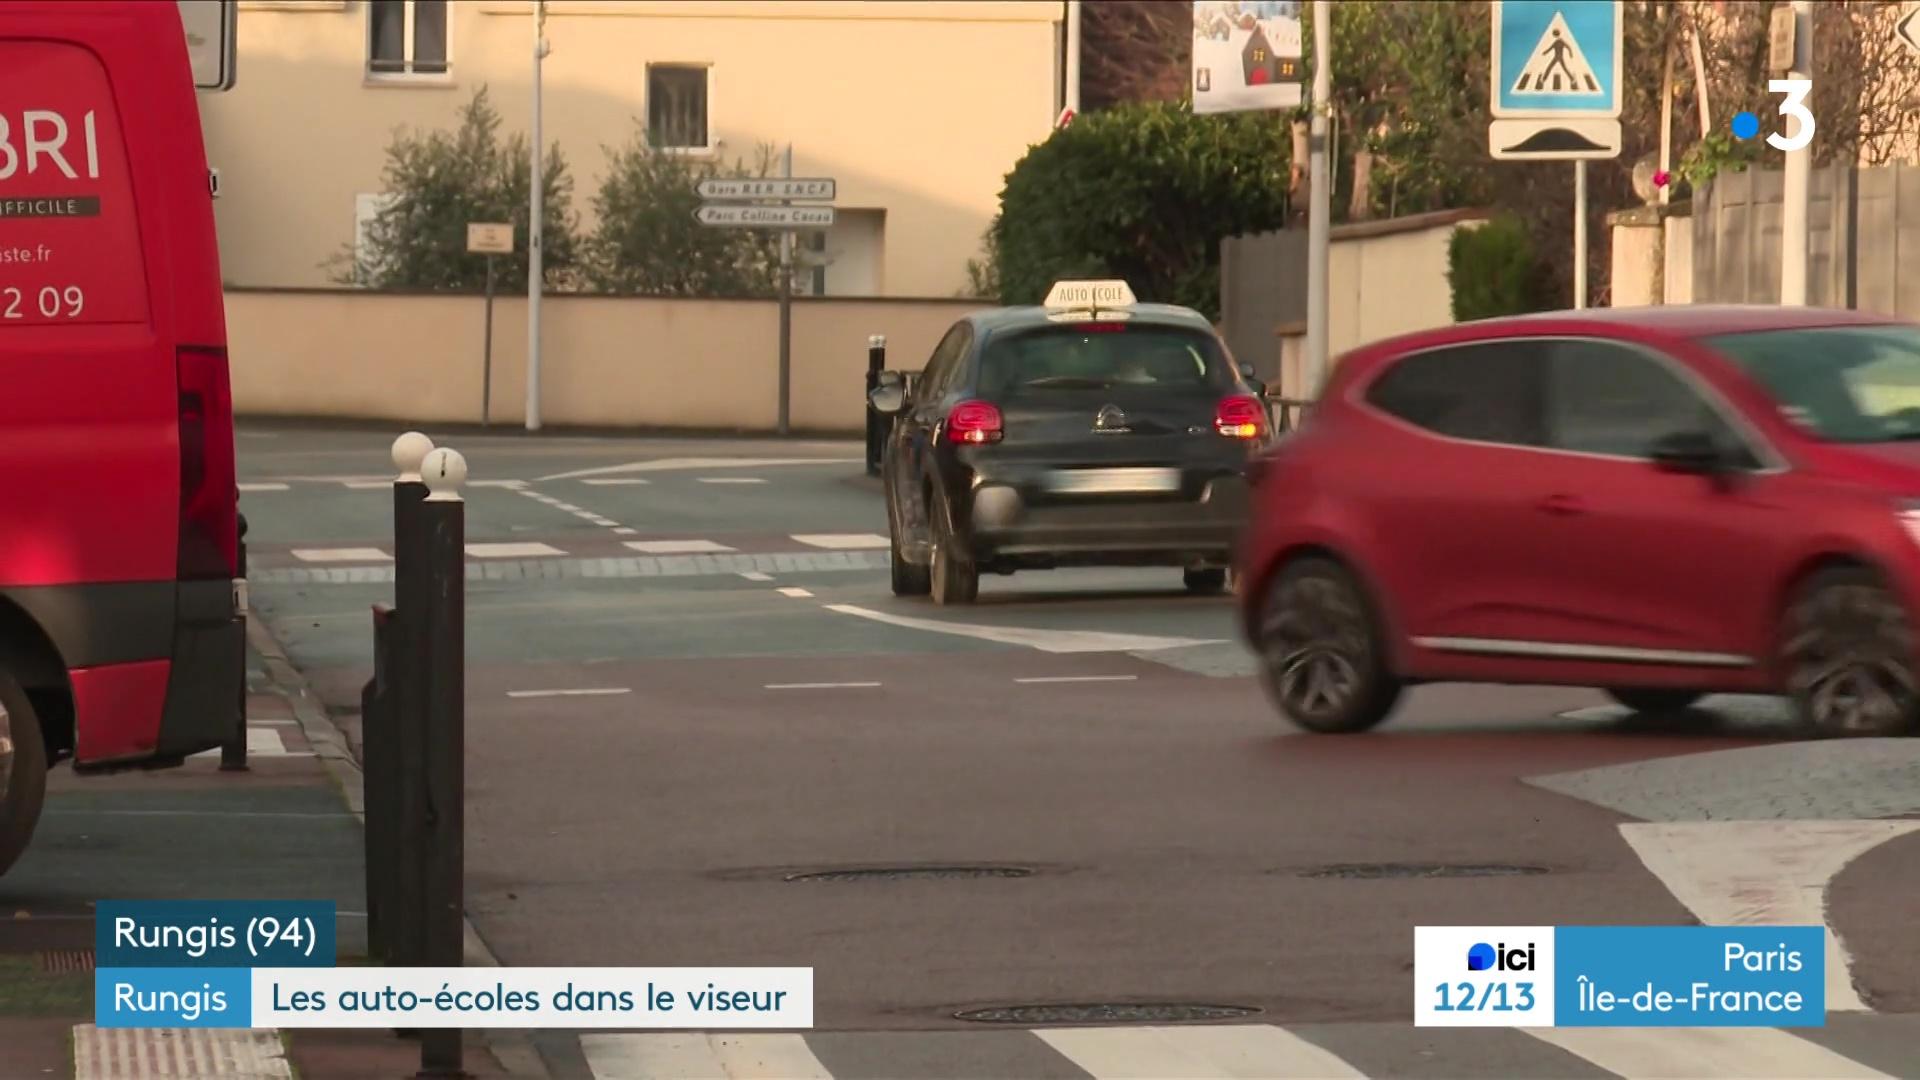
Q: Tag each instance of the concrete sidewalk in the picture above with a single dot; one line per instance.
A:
(285, 829)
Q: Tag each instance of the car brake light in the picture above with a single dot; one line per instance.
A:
(209, 538)
(1240, 417)
(974, 422)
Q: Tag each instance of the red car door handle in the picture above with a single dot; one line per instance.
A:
(1563, 505)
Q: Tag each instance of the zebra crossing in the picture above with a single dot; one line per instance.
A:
(1852, 1047)
(595, 547)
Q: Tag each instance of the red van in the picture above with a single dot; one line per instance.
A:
(121, 616)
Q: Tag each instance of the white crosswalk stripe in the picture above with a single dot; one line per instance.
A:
(1684, 1053)
(843, 541)
(701, 1057)
(1252, 1051)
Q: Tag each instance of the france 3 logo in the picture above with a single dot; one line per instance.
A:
(1483, 976)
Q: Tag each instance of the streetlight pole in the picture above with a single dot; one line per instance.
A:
(1796, 193)
(1319, 199)
(1073, 57)
(535, 219)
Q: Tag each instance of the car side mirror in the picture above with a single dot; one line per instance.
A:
(1691, 452)
(888, 399)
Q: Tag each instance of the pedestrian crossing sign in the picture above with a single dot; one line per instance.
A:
(1557, 59)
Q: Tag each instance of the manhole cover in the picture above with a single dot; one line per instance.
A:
(903, 873)
(1104, 1014)
(1421, 870)
(66, 961)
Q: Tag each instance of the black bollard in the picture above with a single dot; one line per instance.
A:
(233, 753)
(404, 705)
(442, 650)
(379, 754)
(876, 427)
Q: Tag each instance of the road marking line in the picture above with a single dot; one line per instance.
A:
(731, 480)
(511, 485)
(1053, 641)
(585, 692)
(1751, 1053)
(367, 485)
(755, 575)
(526, 550)
(600, 521)
(794, 591)
(674, 547)
(263, 487)
(742, 1057)
(568, 507)
(1077, 678)
(625, 531)
(262, 742)
(818, 685)
(664, 464)
(341, 555)
(843, 541)
(1763, 873)
(1198, 1053)
(116, 1053)
(615, 481)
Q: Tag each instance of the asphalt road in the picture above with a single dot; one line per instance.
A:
(688, 682)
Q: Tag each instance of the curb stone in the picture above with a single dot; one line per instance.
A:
(513, 1049)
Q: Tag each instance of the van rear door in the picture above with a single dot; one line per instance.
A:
(116, 438)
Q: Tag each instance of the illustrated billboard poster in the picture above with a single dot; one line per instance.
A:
(1246, 55)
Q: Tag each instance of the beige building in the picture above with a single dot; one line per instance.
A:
(917, 108)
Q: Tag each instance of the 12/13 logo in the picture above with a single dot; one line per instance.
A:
(1485, 957)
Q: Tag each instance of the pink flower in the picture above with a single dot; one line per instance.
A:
(1661, 178)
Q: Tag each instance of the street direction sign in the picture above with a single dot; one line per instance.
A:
(1557, 67)
(739, 216)
(776, 187)
(1908, 29)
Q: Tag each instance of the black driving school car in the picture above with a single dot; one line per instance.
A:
(1092, 430)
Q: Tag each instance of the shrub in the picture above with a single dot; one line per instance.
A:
(1141, 192)
(439, 182)
(1492, 270)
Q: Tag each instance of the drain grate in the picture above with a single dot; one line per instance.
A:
(66, 961)
(905, 873)
(1106, 1013)
(1421, 870)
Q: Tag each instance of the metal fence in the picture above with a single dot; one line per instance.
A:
(1863, 239)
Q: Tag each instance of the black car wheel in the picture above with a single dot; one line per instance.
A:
(1205, 581)
(23, 784)
(956, 580)
(1848, 654)
(1655, 700)
(908, 579)
(1322, 657)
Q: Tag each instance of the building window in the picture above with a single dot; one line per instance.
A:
(406, 37)
(677, 106)
(817, 260)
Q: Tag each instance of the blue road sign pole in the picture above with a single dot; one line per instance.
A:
(1580, 234)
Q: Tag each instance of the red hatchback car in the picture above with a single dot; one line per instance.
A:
(1660, 502)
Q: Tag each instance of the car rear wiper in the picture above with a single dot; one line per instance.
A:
(1080, 382)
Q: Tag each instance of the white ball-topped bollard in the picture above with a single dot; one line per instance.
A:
(444, 471)
(409, 450)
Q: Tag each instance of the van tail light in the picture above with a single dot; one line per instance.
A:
(1240, 417)
(209, 500)
(974, 422)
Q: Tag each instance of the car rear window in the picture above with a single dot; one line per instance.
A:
(1103, 356)
(69, 243)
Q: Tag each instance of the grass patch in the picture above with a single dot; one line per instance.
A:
(26, 991)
